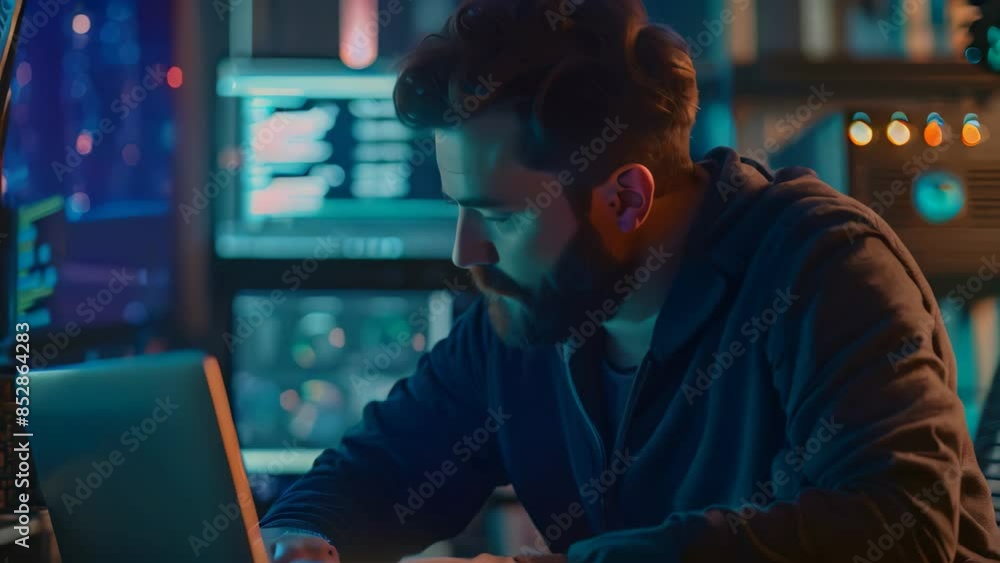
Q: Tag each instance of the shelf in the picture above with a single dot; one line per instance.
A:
(865, 80)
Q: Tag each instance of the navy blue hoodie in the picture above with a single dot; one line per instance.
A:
(797, 404)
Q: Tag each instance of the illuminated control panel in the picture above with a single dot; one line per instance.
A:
(306, 363)
(36, 274)
(319, 152)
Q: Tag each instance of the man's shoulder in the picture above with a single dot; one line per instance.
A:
(798, 222)
(806, 198)
(802, 211)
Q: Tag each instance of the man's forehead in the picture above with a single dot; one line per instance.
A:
(480, 147)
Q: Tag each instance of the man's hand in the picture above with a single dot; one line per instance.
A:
(288, 546)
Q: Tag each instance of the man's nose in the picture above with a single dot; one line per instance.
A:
(472, 246)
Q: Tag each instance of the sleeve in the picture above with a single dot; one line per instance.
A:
(894, 425)
(407, 475)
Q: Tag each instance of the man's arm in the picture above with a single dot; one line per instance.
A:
(893, 466)
(404, 478)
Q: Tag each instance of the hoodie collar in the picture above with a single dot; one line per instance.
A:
(714, 252)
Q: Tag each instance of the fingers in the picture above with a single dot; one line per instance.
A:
(294, 548)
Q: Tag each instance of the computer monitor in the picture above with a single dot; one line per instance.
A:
(88, 166)
(305, 367)
(138, 460)
(312, 148)
(11, 12)
(10, 18)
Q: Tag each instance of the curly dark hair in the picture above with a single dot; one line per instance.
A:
(565, 67)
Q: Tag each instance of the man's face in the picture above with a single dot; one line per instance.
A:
(540, 266)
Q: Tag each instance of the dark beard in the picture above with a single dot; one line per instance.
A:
(582, 280)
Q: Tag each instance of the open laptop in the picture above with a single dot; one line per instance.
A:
(138, 460)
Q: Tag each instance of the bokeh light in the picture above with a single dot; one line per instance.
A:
(860, 131)
(81, 24)
(84, 143)
(23, 73)
(898, 130)
(938, 196)
(131, 154)
(934, 130)
(175, 77)
(971, 135)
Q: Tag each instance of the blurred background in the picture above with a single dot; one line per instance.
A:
(229, 175)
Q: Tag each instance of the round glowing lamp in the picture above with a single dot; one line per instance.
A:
(898, 130)
(860, 130)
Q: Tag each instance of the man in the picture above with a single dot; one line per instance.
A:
(672, 361)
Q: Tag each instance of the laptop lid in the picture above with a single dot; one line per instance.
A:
(138, 460)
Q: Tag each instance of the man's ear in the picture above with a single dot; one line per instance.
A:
(628, 192)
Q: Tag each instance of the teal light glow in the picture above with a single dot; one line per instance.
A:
(993, 58)
(938, 196)
(346, 85)
(974, 55)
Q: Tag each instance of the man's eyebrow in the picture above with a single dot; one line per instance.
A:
(477, 202)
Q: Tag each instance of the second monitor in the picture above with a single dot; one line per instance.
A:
(313, 149)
